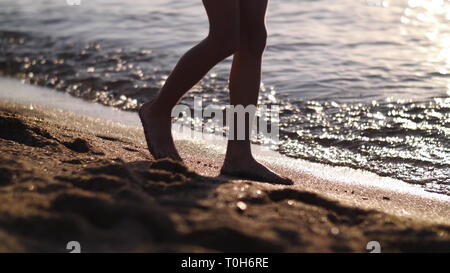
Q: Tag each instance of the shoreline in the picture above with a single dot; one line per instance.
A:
(37, 95)
(354, 187)
(72, 177)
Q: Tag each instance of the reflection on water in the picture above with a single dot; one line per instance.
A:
(362, 83)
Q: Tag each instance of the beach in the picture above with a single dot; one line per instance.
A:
(67, 177)
(362, 84)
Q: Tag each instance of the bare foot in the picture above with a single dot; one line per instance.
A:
(253, 170)
(158, 133)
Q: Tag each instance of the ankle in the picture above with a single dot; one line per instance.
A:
(236, 159)
(156, 110)
(238, 150)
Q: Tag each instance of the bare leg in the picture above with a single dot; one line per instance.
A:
(245, 82)
(222, 41)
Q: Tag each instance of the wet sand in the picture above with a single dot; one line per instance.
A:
(67, 177)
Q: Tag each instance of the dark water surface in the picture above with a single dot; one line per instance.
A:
(364, 84)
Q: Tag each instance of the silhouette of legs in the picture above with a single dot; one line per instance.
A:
(222, 42)
(236, 27)
(245, 81)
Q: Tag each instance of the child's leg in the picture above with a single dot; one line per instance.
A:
(222, 41)
(245, 80)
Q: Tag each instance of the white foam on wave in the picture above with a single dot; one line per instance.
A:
(15, 90)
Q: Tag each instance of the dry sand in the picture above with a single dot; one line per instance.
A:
(66, 177)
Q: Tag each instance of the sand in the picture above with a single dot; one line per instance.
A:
(68, 177)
